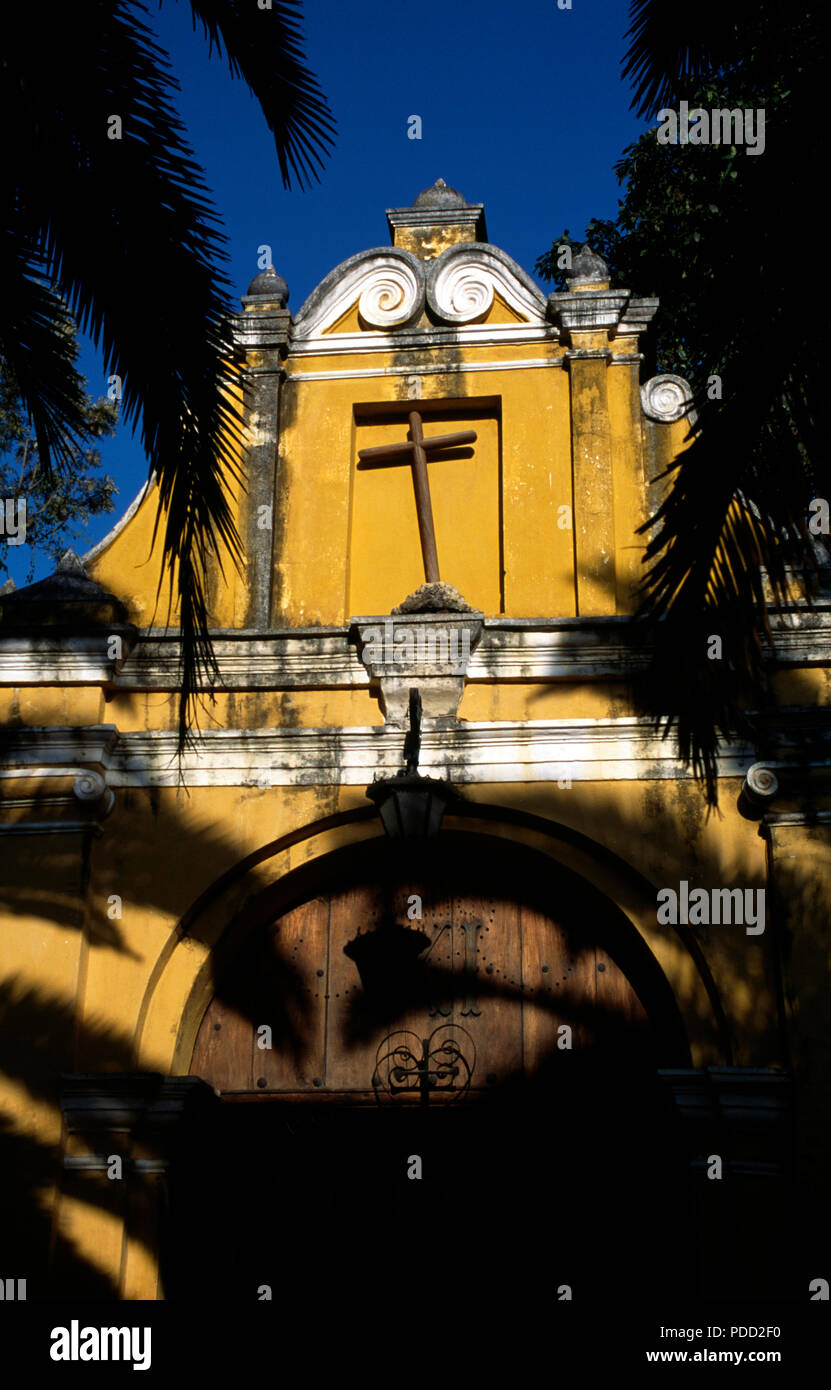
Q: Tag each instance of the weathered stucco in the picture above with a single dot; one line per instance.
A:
(538, 521)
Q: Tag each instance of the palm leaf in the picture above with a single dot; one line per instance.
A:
(264, 48)
(730, 534)
(37, 351)
(673, 46)
(726, 528)
(126, 233)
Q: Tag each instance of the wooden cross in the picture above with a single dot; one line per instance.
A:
(415, 452)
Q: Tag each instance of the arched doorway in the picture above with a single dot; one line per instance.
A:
(467, 1005)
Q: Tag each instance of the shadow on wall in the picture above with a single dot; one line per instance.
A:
(41, 1037)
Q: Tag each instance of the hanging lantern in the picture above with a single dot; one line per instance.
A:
(411, 807)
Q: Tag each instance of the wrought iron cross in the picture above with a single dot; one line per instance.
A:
(415, 452)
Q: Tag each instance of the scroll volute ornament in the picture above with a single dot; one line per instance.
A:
(391, 297)
(666, 398)
(460, 291)
(759, 788)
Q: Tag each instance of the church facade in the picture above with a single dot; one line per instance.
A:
(268, 971)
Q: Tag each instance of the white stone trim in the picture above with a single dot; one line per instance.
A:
(314, 658)
(50, 661)
(493, 751)
(416, 369)
(482, 335)
(255, 662)
(774, 819)
(57, 746)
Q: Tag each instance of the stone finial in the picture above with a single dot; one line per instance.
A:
(440, 217)
(267, 288)
(440, 196)
(70, 563)
(587, 268)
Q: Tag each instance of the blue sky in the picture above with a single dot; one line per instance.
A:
(522, 107)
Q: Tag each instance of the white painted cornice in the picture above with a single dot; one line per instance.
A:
(470, 752)
(474, 335)
(26, 660)
(60, 745)
(325, 658)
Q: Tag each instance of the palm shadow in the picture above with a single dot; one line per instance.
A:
(58, 1042)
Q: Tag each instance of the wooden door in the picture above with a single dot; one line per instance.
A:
(524, 1037)
(523, 974)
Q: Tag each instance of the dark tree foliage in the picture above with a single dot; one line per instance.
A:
(724, 238)
(122, 230)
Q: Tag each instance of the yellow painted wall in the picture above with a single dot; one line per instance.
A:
(128, 992)
(346, 538)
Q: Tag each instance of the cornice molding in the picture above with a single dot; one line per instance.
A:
(470, 752)
(324, 658)
(483, 335)
(773, 820)
(263, 329)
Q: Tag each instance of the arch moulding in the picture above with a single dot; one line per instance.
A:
(214, 929)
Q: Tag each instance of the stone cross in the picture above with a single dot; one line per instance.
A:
(415, 452)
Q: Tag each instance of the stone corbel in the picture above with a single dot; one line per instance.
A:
(90, 788)
(430, 651)
(43, 811)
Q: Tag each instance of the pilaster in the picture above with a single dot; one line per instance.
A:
(110, 1215)
(262, 335)
(590, 316)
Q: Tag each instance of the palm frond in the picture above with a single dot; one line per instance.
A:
(38, 351)
(265, 48)
(728, 538)
(672, 45)
(124, 231)
(129, 239)
(730, 535)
